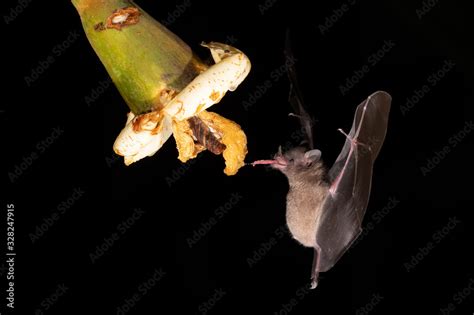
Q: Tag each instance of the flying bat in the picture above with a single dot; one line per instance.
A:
(325, 208)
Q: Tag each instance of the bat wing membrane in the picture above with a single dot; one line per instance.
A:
(350, 177)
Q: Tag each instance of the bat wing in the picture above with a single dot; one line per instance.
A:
(296, 97)
(343, 210)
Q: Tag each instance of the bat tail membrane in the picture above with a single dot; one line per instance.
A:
(351, 175)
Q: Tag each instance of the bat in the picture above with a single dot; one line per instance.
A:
(325, 208)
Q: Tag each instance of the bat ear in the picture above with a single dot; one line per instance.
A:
(312, 156)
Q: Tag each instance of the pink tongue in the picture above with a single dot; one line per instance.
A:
(262, 162)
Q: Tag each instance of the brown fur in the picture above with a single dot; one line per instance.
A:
(308, 189)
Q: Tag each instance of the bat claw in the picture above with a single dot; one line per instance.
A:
(314, 284)
(345, 134)
(352, 140)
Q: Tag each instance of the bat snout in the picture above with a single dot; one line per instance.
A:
(281, 162)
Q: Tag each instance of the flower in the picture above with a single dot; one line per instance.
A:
(165, 85)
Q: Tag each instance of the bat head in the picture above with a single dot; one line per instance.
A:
(295, 160)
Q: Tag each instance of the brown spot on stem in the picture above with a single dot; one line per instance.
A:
(214, 96)
(149, 121)
(138, 122)
(167, 95)
(99, 27)
(199, 65)
(123, 17)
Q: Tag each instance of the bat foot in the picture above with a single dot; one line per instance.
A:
(314, 284)
(314, 280)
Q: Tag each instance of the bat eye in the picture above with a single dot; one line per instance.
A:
(291, 160)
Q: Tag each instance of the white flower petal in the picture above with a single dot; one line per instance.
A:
(135, 145)
(211, 85)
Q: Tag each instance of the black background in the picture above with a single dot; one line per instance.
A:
(371, 278)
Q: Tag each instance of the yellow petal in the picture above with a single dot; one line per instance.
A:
(232, 136)
(182, 133)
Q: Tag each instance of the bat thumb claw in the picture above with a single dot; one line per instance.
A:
(345, 134)
(314, 284)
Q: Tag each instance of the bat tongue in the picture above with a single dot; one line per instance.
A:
(263, 162)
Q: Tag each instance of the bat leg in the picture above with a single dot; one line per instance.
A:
(315, 273)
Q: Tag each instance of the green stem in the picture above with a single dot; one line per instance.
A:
(143, 59)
